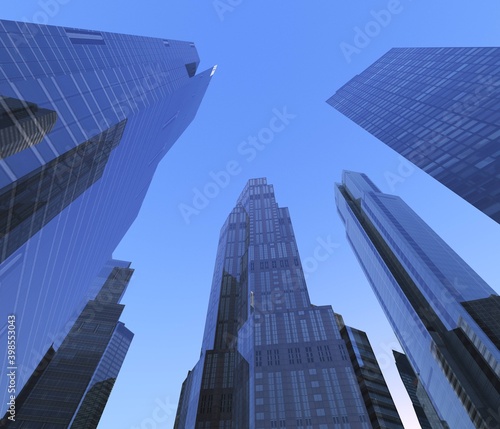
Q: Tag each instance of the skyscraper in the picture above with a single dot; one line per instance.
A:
(438, 107)
(441, 311)
(73, 387)
(85, 118)
(22, 124)
(269, 358)
(425, 411)
(378, 400)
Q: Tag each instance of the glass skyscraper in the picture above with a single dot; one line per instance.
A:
(85, 118)
(425, 411)
(72, 388)
(378, 400)
(437, 107)
(443, 314)
(269, 358)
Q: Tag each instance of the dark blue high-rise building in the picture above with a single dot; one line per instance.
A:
(425, 411)
(443, 314)
(85, 118)
(22, 124)
(376, 396)
(269, 358)
(437, 107)
(71, 386)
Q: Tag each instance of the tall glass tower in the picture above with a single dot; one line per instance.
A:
(269, 358)
(443, 314)
(438, 107)
(85, 118)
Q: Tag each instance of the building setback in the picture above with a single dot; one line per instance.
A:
(85, 118)
(442, 312)
(71, 386)
(437, 107)
(269, 359)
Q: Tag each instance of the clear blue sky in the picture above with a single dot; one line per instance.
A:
(284, 55)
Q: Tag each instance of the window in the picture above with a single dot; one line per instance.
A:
(81, 37)
(309, 355)
(342, 352)
(298, 357)
(328, 354)
(321, 354)
(270, 357)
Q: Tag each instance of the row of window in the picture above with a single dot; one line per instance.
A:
(225, 403)
(324, 354)
(283, 263)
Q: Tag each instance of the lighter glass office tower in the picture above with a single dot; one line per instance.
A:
(85, 118)
(443, 314)
(439, 108)
(269, 358)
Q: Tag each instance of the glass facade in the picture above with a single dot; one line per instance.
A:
(486, 313)
(376, 395)
(423, 286)
(438, 107)
(426, 414)
(22, 124)
(270, 359)
(33, 200)
(74, 385)
(85, 118)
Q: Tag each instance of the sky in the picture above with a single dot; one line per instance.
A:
(276, 59)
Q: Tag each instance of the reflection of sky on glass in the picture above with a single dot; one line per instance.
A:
(270, 55)
(65, 218)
